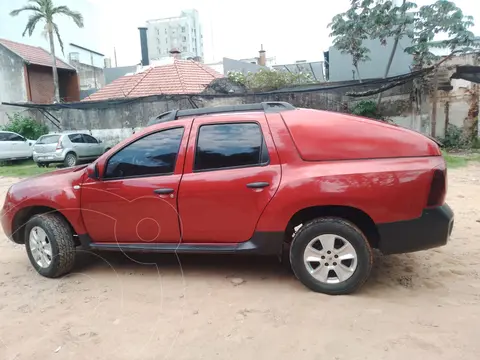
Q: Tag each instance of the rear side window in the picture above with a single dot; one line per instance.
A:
(222, 146)
(89, 139)
(154, 154)
(76, 138)
(4, 136)
(48, 139)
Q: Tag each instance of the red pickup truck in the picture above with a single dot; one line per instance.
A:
(323, 188)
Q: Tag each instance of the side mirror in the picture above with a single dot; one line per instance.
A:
(92, 171)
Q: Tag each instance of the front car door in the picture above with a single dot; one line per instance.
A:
(231, 173)
(136, 199)
(20, 148)
(79, 145)
(94, 147)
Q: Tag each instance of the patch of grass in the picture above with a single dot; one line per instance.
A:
(23, 169)
(460, 160)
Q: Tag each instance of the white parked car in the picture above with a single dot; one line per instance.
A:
(14, 146)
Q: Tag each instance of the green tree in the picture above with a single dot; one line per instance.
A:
(442, 17)
(44, 11)
(349, 30)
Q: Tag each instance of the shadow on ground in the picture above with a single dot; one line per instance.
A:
(394, 272)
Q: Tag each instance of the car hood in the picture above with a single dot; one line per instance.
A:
(52, 182)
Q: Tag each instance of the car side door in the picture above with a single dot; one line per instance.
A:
(79, 145)
(93, 146)
(5, 146)
(20, 147)
(135, 200)
(232, 171)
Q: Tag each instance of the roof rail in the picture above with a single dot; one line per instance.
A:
(268, 107)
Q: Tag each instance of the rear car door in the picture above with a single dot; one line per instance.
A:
(79, 145)
(231, 173)
(93, 146)
(135, 201)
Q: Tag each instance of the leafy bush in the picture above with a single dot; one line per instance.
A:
(455, 138)
(268, 80)
(367, 108)
(25, 126)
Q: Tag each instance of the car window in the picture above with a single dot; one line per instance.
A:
(14, 137)
(222, 146)
(154, 154)
(76, 138)
(89, 139)
(48, 139)
(4, 136)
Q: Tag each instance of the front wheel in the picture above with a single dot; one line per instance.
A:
(331, 256)
(49, 244)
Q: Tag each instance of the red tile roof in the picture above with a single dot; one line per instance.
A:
(33, 55)
(180, 77)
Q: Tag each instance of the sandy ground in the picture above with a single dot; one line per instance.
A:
(417, 306)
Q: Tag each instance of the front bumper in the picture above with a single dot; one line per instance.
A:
(430, 230)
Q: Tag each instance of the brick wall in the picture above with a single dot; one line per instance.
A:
(42, 89)
(41, 84)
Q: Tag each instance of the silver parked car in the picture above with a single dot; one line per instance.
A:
(69, 149)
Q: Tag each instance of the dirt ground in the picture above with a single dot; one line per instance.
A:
(415, 306)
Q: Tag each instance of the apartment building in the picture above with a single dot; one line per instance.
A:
(182, 33)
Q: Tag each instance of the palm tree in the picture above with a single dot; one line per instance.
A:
(44, 11)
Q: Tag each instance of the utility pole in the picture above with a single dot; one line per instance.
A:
(115, 56)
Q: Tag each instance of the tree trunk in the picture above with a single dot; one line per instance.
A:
(433, 130)
(389, 64)
(392, 55)
(358, 74)
(54, 62)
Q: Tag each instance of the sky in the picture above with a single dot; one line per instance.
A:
(289, 31)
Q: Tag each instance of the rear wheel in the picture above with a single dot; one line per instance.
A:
(70, 160)
(49, 244)
(331, 256)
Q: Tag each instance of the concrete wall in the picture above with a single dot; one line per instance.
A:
(91, 77)
(113, 123)
(12, 82)
(84, 56)
(341, 68)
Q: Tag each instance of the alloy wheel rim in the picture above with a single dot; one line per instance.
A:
(71, 160)
(40, 247)
(330, 258)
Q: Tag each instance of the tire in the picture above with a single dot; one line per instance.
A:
(70, 160)
(40, 165)
(62, 246)
(333, 275)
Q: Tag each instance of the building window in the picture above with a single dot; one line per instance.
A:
(184, 38)
(184, 48)
(166, 31)
(183, 29)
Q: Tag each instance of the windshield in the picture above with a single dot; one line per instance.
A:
(48, 139)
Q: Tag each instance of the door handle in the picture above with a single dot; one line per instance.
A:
(258, 185)
(163, 191)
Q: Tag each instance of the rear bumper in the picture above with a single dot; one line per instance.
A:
(430, 230)
(49, 157)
